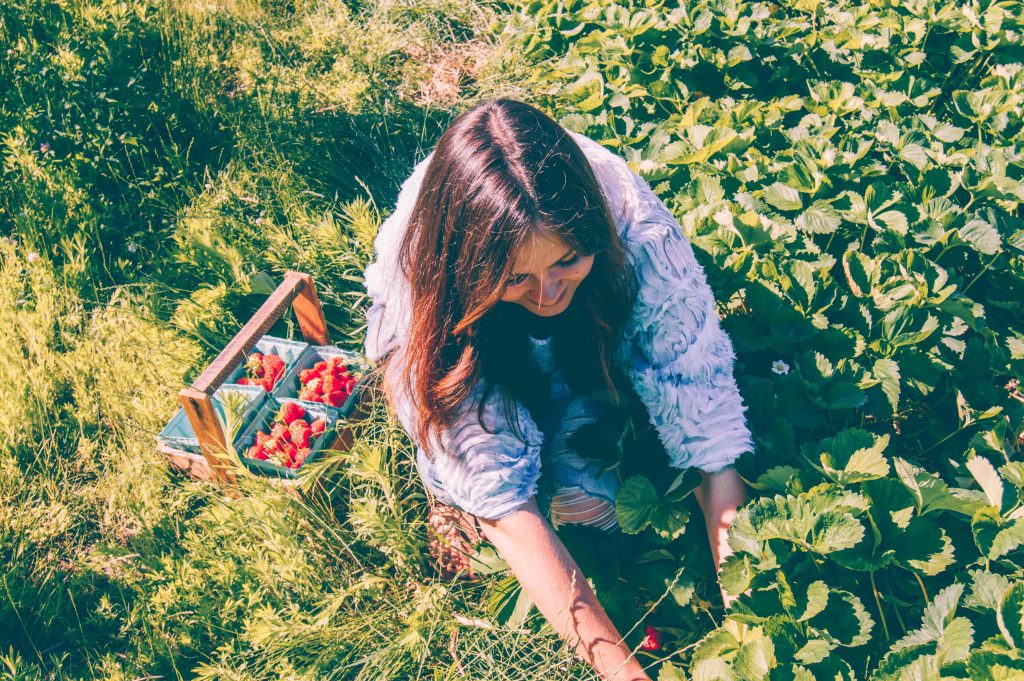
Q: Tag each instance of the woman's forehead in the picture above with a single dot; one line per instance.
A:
(541, 249)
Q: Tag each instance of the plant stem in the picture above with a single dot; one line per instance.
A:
(923, 590)
(878, 602)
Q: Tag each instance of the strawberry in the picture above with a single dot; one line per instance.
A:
(300, 431)
(331, 384)
(320, 367)
(652, 641)
(300, 456)
(317, 427)
(306, 375)
(262, 438)
(267, 383)
(308, 394)
(291, 411)
(273, 367)
(335, 363)
(243, 381)
(254, 365)
(315, 384)
(336, 399)
(281, 433)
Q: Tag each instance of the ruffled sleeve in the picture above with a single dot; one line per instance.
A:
(387, 320)
(683, 360)
(487, 475)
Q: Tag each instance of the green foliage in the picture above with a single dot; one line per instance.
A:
(850, 175)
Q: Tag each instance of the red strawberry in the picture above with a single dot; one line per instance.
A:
(350, 384)
(267, 383)
(252, 451)
(336, 399)
(243, 381)
(308, 394)
(254, 365)
(291, 411)
(306, 375)
(280, 432)
(300, 456)
(317, 427)
(262, 438)
(315, 384)
(652, 641)
(334, 363)
(320, 367)
(273, 366)
(300, 431)
(331, 384)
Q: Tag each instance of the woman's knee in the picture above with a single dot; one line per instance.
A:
(573, 505)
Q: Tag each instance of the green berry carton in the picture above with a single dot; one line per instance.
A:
(291, 385)
(288, 350)
(178, 433)
(264, 421)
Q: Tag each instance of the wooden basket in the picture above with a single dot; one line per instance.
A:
(298, 291)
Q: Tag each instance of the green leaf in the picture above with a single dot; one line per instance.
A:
(888, 372)
(985, 473)
(670, 672)
(853, 455)
(638, 506)
(783, 197)
(819, 218)
(982, 235)
(818, 522)
(1010, 616)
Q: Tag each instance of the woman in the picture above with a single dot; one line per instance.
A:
(526, 277)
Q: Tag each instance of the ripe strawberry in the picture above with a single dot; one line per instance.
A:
(652, 641)
(243, 381)
(335, 363)
(300, 431)
(291, 411)
(336, 399)
(308, 394)
(320, 367)
(317, 427)
(315, 384)
(254, 365)
(262, 438)
(273, 367)
(267, 383)
(280, 432)
(300, 456)
(306, 375)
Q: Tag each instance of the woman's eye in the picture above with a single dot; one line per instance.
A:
(569, 261)
(517, 280)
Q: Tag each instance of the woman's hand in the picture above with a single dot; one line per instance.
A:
(557, 586)
(720, 495)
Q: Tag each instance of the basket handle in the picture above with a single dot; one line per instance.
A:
(298, 291)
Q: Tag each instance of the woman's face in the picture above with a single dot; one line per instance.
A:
(546, 274)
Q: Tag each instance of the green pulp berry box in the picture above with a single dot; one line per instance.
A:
(264, 421)
(288, 350)
(178, 433)
(290, 385)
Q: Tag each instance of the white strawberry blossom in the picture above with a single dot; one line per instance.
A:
(780, 367)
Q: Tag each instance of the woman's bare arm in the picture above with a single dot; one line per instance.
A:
(719, 496)
(557, 586)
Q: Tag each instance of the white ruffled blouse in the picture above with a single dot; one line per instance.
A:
(676, 354)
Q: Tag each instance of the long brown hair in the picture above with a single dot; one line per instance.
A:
(502, 171)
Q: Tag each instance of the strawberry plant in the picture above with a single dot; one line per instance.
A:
(851, 176)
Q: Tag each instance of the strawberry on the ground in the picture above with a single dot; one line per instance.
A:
(652, 641)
